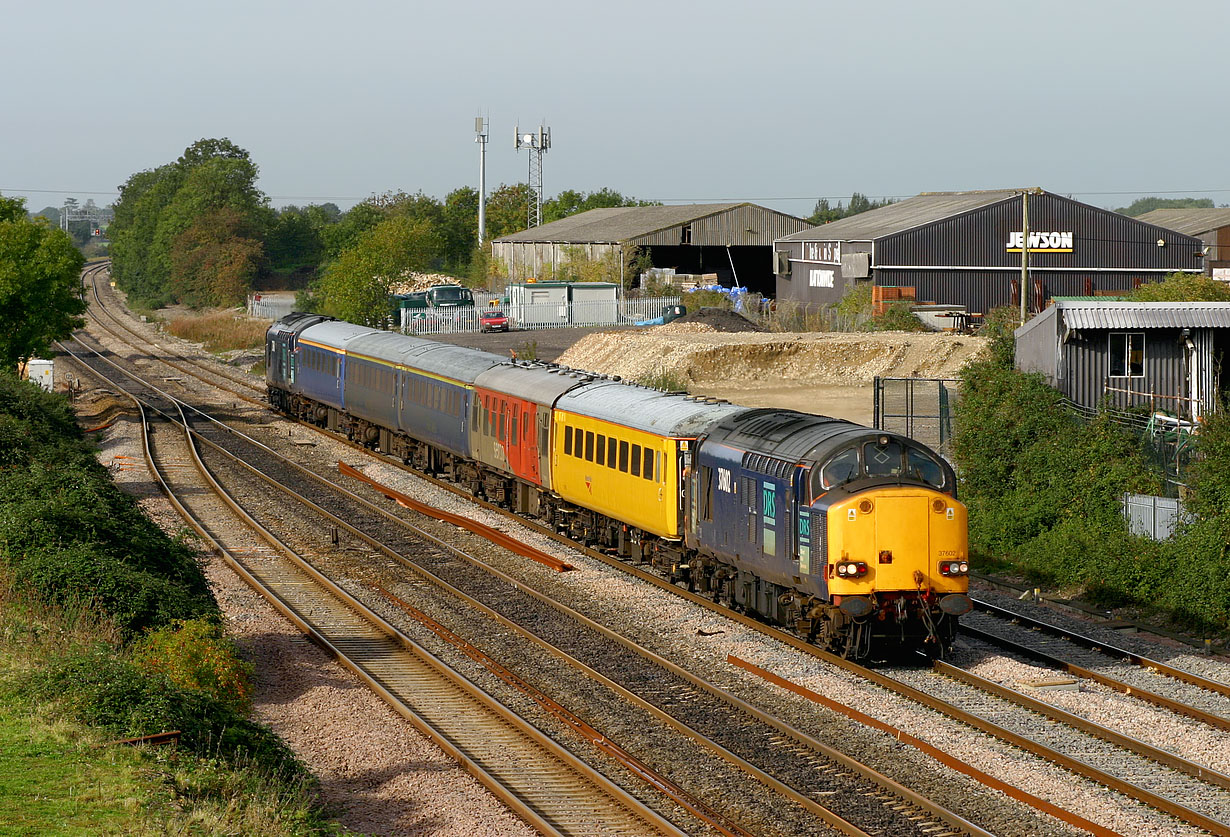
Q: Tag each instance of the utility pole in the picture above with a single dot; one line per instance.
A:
(480, 130)
(1024, 253)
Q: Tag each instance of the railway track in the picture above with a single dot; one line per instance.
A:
(540, 780)
(1202, 820)
(874, 803)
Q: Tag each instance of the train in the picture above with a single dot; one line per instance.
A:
(849, 535)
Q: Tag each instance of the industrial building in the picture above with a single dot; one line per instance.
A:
(964, 249)
(1162, 356)
(732, 240)
(1211, 226)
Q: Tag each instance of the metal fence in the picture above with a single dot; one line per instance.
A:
(541, 315)
(1152, 517)
(920, 408)
(270, 309)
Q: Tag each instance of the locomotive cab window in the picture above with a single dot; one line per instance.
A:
(923, 466)
(1127, 354)
(882, 460)
(842, 468)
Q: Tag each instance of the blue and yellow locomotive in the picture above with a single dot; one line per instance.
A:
(850, 535)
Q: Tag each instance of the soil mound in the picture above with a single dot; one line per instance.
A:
(719, 319)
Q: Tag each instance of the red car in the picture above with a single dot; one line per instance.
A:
(493, 320)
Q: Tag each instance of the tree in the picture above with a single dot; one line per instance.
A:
(459, 228)
(507, 209)
(355, 287)
(859, 203)
(215, 260)
(1182, 287)
(1142, 205)
(40, 287)
(571, 202)
(156, 207)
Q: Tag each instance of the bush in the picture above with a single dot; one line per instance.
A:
(98, 688)
(1182, 287)
(194, 654)
(701, 298)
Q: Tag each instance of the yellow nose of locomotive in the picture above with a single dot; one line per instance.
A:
(899, 538)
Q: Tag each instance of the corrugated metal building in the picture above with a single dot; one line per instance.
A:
(1166, 356)
(964, 248)
(733, 240)
(1211, 226)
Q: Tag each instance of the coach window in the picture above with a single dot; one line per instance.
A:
(501, 427)
(1127, 354)
(623, 457)
(601, 450)
(589, 446)
(578, 442)
(647, 468)
(636, 460)
(610, 451)
(513, 438)
(474, 413)
(567, 441)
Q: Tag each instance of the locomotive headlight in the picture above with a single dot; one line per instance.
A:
(964, 567)
(841, 569)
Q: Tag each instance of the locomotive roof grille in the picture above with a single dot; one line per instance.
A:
(768, 465)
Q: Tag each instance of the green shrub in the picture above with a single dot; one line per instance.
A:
(1182, 287)
(98, 688)
(896, 316)
(665, 380)
(194, 654)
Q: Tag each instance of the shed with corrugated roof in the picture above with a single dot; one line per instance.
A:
(1162, 356)
(964, 248)
(734, 241)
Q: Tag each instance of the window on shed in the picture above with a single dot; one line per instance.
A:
(601, 450)
(623, 457)
(636, 460)
(589, 446)
(647, 468)
(1127, 354)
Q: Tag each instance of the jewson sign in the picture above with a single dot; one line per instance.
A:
(1041, 242)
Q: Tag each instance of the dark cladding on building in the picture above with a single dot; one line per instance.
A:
(964, 249)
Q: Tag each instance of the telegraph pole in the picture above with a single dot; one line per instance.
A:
(1024, 253)
(480, 131)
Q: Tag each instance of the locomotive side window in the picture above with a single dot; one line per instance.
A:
(882, 460)
(840, 469)
(704, 493)
(922, 466)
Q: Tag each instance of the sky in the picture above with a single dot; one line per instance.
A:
(775, 102)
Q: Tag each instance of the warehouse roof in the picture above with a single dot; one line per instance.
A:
(619, 223)
(1189, 221)
(1110, 314)
(902, 215)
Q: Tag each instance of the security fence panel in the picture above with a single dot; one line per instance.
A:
(921, 408)
(1152, 517)
(269, 309)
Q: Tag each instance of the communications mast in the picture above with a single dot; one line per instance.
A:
(537, 145)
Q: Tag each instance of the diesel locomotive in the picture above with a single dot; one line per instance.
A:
(850, 535)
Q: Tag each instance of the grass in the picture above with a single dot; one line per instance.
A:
(665, 380)
(58, 776)
(220, 331)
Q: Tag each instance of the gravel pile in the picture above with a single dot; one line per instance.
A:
(818, 359)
